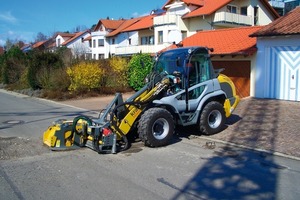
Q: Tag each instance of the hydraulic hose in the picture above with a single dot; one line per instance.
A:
(75, 121)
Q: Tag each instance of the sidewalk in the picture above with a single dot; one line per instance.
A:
(271, 125)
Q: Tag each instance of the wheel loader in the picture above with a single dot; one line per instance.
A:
(183, 89)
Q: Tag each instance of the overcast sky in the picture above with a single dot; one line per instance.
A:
(23, 19)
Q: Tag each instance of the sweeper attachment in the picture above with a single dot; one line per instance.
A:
(183, 89)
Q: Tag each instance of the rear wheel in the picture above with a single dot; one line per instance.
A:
(212, 119)
(156, 127)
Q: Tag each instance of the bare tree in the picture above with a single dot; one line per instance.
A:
(40, 37)
(79, 28)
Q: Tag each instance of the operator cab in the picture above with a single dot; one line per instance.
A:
(190, 66)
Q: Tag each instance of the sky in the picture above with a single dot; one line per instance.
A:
(24, 19)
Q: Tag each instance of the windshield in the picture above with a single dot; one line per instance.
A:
(171, 61)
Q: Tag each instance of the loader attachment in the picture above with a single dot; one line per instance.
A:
(59, 136)
(84, 131)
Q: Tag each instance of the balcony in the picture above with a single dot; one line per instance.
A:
(165, 20)
(129, 50)
(232, 19)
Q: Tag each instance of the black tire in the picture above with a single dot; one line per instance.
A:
(212, 118)
(156, 127)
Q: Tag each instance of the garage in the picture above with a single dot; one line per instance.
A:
(282, 75)
(239, 72)
(277, 69)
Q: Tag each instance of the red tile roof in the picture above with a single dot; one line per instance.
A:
(64, 35)
(122, 27)
(109, 24)
(231, 41)
(188, 2)
(209, 7)
(76, 36)
(143, 23)
(288, 24)
(38, 44)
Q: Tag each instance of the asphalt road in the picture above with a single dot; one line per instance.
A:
(189, 168)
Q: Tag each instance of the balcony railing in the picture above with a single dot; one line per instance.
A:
(164, 20)
(134, 49)
(233, 19)
(128, 50)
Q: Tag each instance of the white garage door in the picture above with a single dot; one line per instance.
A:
(283, 73)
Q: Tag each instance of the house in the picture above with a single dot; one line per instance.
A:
(80, 47)
(184, 18)
(100, 47)
(45, 45)
(137, 38)
(277, 73)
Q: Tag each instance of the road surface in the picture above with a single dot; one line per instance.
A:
(189, 168)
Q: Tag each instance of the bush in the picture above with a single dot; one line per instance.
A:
(13, 64)
(140, 66)
(85, 76)
(119, 68)
(42, 70)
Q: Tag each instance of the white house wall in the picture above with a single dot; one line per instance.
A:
(198, 24)
(60, 39)
(277, 69)
(264, 17)
(78, 47)
(96, 50)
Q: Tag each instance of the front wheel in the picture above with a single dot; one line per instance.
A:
(156, 127)
(212, 118)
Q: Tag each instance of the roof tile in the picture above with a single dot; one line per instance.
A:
(123, 26)
(143, 23)
(76, 35)
(209, 6)
(109, 24)
(288, 24)
(231, 41)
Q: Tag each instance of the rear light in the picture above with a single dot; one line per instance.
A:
(106, 131)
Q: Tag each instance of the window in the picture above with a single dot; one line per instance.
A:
(58, 42)
(94, 43)
(113, 41)
(160, 37)
(101, 56)
(255, 15)
(184, 34)
(147, 40)
(100, 42)
(199, 69)
(144, 40)
(231, 9)
(129, 41)
(151, 39)
(244, 11)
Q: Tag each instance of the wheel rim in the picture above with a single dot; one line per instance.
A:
(160, 128)
(214, 119)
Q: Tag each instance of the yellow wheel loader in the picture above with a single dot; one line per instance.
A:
(183, 89)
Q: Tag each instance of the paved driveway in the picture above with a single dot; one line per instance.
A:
(267, 124)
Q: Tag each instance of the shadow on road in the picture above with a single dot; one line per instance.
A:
(236, 173)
